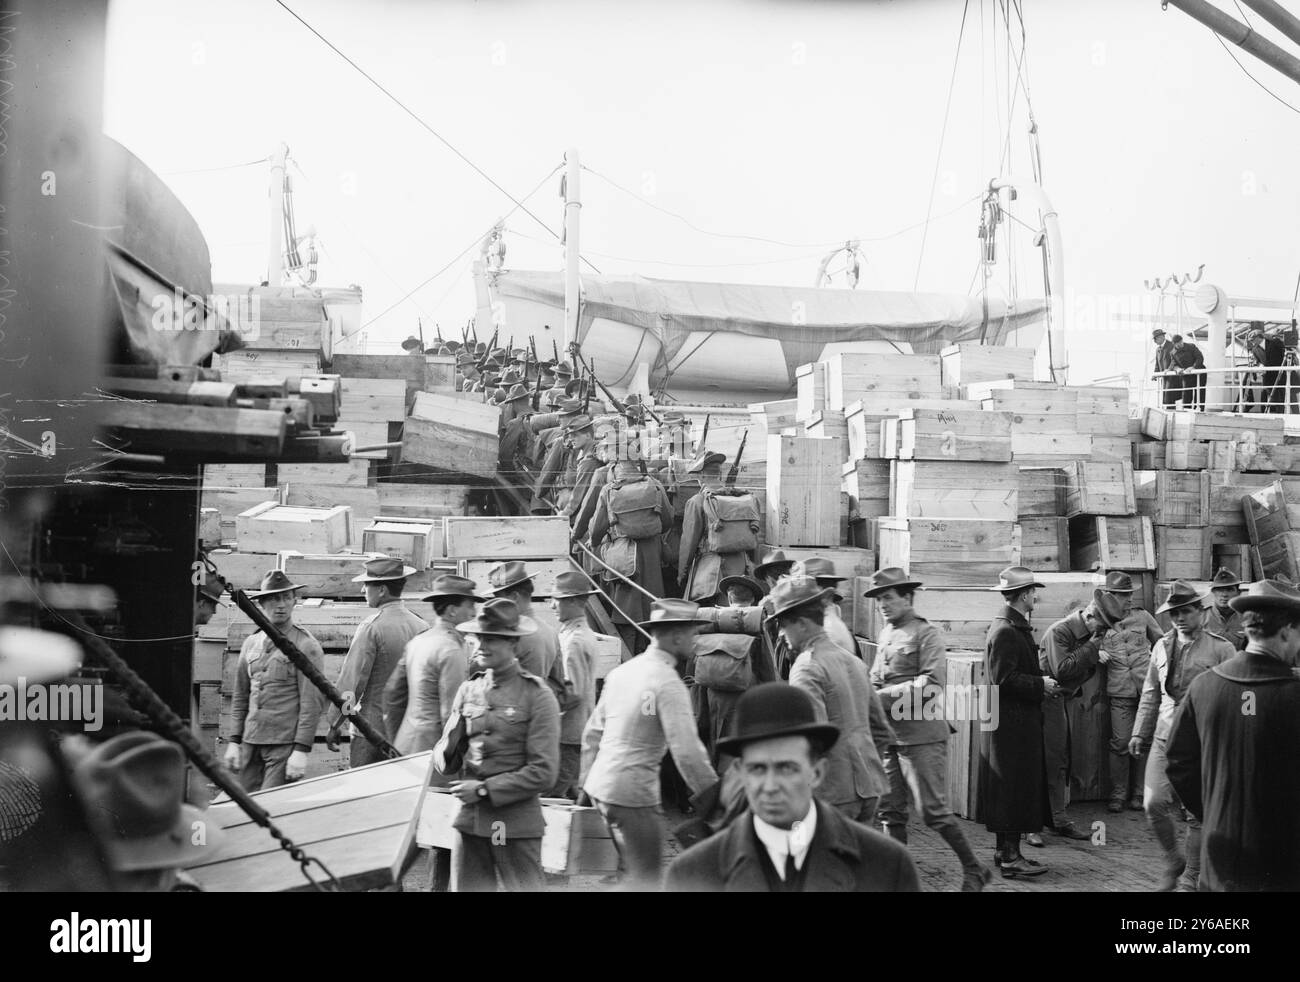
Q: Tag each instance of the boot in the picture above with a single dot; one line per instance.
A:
(897, 833)
(975, 875)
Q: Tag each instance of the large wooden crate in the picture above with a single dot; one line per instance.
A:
(966, 674)
(1106, 542)
(260, 364)
(855, 375)
(231, 502)
(210, 534)
(452, 435)
(1267, 458)
(1173, 497)
(1244, 428)
(863, 430)
(968, 361)
(966, 489)
(1041, 492)
(351, 473)
(1174, 455)
(423, 500)
(1095, 488)
(271, 528)
(414, 541)
(1279, 556)
(949, 551)
(328, 576)
(364, 501)
(774, 417)
(810, 380)
(1104, 401)
(217, 476)
(242, 570)
(826, 424)
(1025, 398)
(1265, 511)
(1183, 553)
(374, 400)
(1227, 519)
(506, 537)
(1045, 544)
(949, 435)
(868, 483)
(803, 491)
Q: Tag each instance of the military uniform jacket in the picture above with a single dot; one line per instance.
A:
(423, 687)
(911, 655)
(1070, 652)
(1163, 690)
(1227, 627)
(373, 655)
(1129, 649)
(578, 653)
(274, 703)
(513, 722)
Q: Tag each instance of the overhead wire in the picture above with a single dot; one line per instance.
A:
(209, 170)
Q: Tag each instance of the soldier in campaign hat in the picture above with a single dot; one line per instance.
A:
(1221, 618)
(1176, 660)
(509, 723)
(275, 709)
(578, 655)
(789, 841)
(821, 569)
(910, 673)
(1237, 771)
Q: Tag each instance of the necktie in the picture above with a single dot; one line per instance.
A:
(790, 871)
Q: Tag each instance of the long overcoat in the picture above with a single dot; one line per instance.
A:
(1012, 776)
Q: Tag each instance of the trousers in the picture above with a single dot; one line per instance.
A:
(478, 859)
(362, 752)
(860, 810)
(1126, 772)
(1056, 757)
(263, 765)
(566, 782)
(1163, 809)
(638, 835)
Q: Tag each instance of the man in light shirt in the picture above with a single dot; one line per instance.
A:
(789, 842)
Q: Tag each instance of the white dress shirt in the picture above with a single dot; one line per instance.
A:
(794, 841)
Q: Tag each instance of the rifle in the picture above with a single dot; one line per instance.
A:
(735, 464)
(438, 327)
(586, 389)
(488, 353)
(419, 323)
(555, 350)
(704, 437)
(532, 345)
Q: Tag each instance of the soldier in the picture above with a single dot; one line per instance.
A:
(1221, 618)
(643, 710)
(910, 672)
(1071, 654)
(275, 708)
(719, 532)
(1125, 653)
(773, 569)
(741, 591)
(581, 463)
(631, 517)
(539, 645)
(512, 727)
(822, 570)
(207, 599)
(578, 653)
(375, 650)
(1178, 658)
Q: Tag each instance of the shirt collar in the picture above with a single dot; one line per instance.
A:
(795, 841)
(498, 675)
(807, 646)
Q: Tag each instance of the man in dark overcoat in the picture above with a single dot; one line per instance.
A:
(1012, 776)
(1234, 751)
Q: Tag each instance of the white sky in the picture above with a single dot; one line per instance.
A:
(804, 122)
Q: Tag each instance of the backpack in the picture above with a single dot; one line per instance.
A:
(731, 521)
(634, 509)
(722, 662)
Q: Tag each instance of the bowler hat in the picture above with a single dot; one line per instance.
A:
(37, 656)
(1267, 594)
(572, 584)
(1119, 582)
(382, 568)
(776, 709)
(450, 585)
(890, 578)
(503, 576)
(750, 584)
(1158, 333)
(133, 788)
(1108, 608)
(499, 617)
(775, 558)
(1224, 579)
(706, 458)
(1181, 594)
(274, 582)
(673, 612)
(1015, 578)
(795, 591)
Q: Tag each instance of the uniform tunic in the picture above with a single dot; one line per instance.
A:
(1163, 690)
(702, 571)
(649, 569)
(274, 703)
(419, 696)
(1226, 625)
(907, 654)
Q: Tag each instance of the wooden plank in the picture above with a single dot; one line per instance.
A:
(1099, 488)
(1155, 422)
(1033, 403)
(868, 483)
(153, 428)
(1045, 544)
(273, 528)
(1186, 455)
(803, 498)
(968, 361)
(953, 552)
(863, 430)
(1150, 456)
(1041, 492)
(1106, 542)
(506, 537)
(207, 659)
(353, 473)
(774, 416)
(1183, 553)
(954, 435)
(1049, 450)
(810, 380)
(962, 489)
(413, 541)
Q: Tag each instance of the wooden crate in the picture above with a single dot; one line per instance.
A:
(1150, 456)
(1265, 511)
(1279, 556)
(352, 473)
(1041, 492)
(234, 476)
(952, 435)
(1106, 542)
(1049, 449)
(863, 431)
(366, 433)
(1173, 497)
(374, 400)
(210, 534)
(242, 570)
(1227, 488)
(968, 361)
(1269, 458)
(856, 375)
(811, 382)
(1221, 455)
(363, 501)
(1099, 488)
(432, 372)
(270, 528)
(230, 502)
(1110, 401)
(1045, 544)
(774, 417)
(413, 541)
(868, 483)
(506, 537)
(965, 672)
(452, 435)
(1186, 455)
(423, 500)
(803, 497)
(1155, 422)
(965, 489)
(1111, 425)
(1183, 553)
(1235, 559)
(544, 573)
(1025, 398)
(259, 364)
(952, 552)
(1111, 449)
(826, 424)
(326, 575)
(1244, 428)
